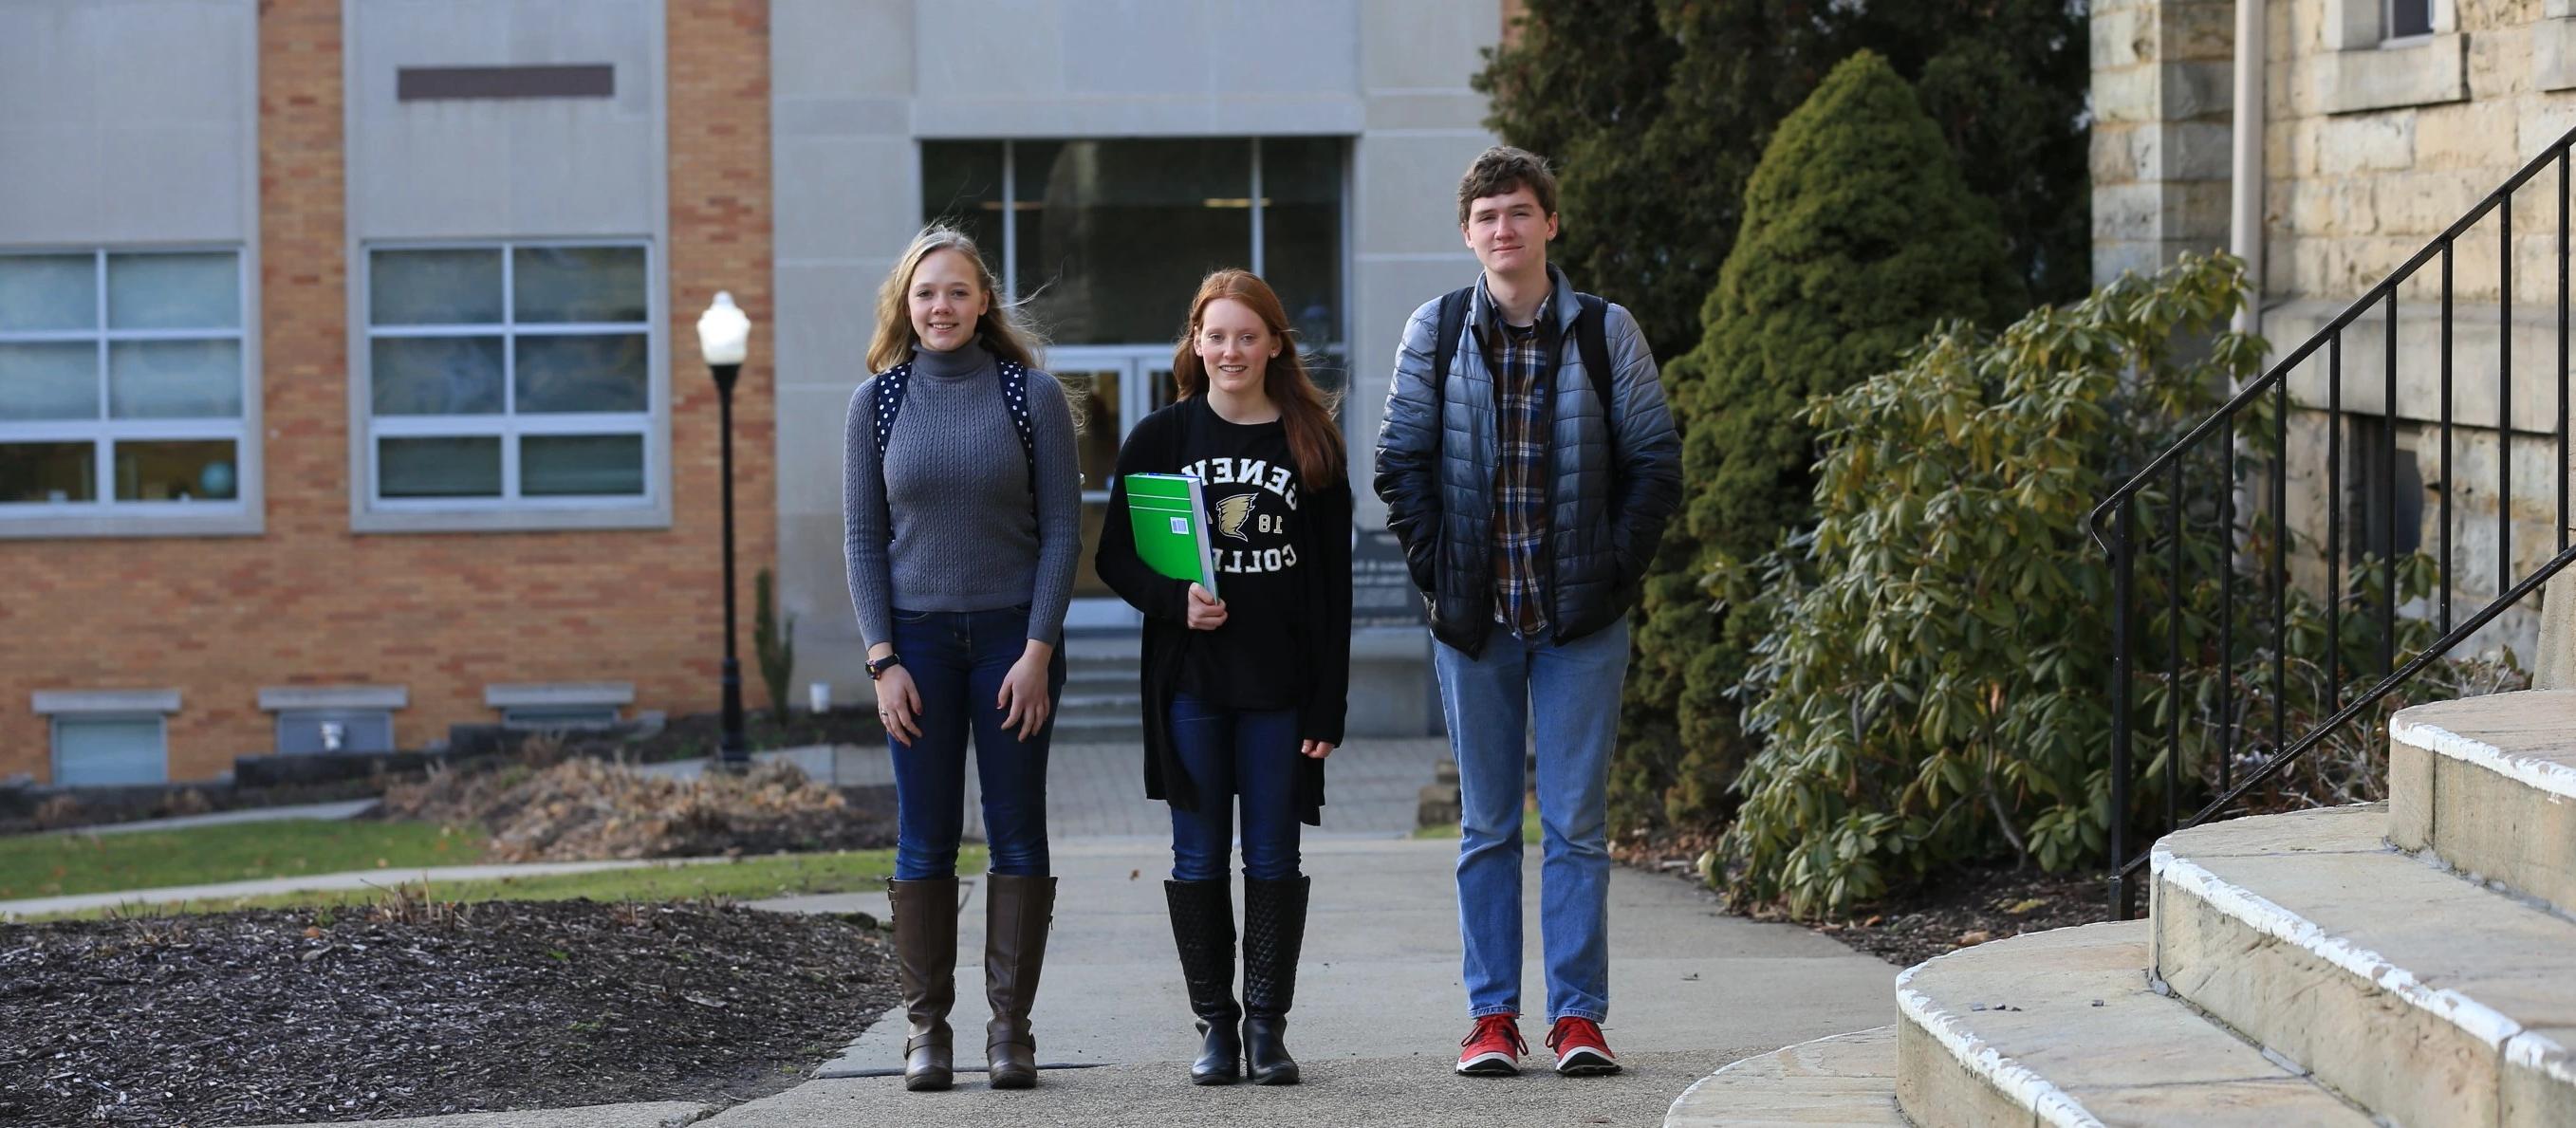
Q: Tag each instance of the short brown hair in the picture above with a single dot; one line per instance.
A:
(1502, 168)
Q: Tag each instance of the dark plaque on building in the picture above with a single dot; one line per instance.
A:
(1382, 591)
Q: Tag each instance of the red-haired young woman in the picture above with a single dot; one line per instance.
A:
(1243, 697)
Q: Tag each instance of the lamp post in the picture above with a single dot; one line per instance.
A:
(723, 334)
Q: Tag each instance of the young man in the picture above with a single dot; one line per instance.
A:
(1528, 465)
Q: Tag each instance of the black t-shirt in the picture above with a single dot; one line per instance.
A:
(1282, 548)
(1255, 507)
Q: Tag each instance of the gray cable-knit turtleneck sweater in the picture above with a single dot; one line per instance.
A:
(956, 482)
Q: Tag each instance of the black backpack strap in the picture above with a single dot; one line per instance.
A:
(1015, 399)
(1592, 338)
(1444, 343)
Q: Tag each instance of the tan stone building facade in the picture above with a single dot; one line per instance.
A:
(2383, 122)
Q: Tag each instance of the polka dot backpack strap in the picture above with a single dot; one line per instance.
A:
(889, 403)
(1015, 396)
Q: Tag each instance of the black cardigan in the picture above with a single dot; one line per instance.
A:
(1323, 538)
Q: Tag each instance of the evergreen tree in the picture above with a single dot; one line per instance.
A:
(1859, 236)
(1656, 110)
(2005, 80)
(1654, 114)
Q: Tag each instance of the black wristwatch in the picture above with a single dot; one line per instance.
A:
(878, 667)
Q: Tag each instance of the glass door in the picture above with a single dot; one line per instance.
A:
(1113, 387)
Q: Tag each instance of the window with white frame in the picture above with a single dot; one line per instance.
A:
(2406, 19)
(509, 376)
(121, 382)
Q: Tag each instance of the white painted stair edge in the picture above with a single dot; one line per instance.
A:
(2482, 1022)
(2018, 1083)
(2546, 776)
(2319, 900)
(2064, 1029)
(2488, 785)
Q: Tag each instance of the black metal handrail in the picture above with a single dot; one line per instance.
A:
(2169, 472)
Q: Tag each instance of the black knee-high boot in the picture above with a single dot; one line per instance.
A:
(1203, 930)
(1274, 930)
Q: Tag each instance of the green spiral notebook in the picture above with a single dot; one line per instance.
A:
(1169, 514)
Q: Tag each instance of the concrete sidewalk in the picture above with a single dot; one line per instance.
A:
(326, 812)
(1380, 1006)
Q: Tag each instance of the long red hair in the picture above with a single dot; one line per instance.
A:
(1314, 440)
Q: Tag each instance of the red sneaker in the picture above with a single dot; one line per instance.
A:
(1493, 1048)
(1580, 1052)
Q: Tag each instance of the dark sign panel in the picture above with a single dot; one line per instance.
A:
(1382, 591)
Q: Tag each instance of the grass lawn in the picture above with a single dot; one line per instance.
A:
(745, 879)
(62, 865)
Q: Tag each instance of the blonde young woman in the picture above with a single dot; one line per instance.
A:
(962, 504)
(1244, 694)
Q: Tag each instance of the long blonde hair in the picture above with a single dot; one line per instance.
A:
(1000, 328)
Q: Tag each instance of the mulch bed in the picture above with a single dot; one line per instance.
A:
(1972, 907)
(417, 1009)
(1963, 908)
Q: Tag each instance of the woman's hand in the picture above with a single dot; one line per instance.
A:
(1207, 612)
(899, 705)
(1024, 701)
(1316, 749)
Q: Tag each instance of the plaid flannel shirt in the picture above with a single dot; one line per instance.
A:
(1520, 487)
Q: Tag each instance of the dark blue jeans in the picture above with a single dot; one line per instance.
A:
(957, 660)
(1236, 754)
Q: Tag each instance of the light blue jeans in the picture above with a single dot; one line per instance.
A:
(1568, 696)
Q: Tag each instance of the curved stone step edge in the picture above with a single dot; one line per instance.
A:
(2434, 766)
(2017, 1082)
(2486, 1024)
(1869, 1103)
(2547, 776)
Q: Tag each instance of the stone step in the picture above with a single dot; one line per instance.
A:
(2488, 784)
(2062, 1028)
(1848, 1079)
(1101, 703)
(1098, 729)
(1121, 673)
(2425, 997)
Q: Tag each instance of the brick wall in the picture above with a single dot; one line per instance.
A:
(443, 614)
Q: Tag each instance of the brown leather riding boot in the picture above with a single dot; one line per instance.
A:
(1017, 911)
(925, 946)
